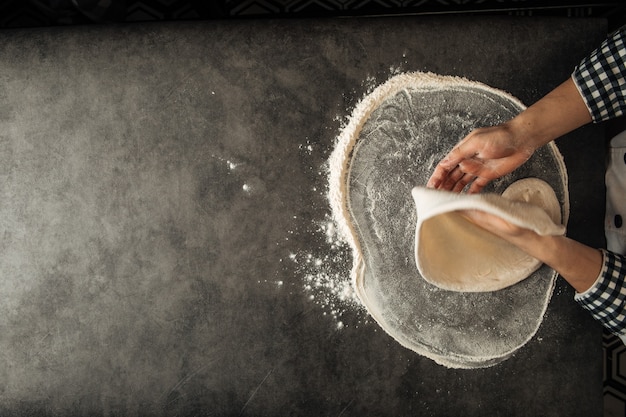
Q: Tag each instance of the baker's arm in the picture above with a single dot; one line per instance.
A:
(577, 263)
(598, 276)
(491, 152)
(595, 91)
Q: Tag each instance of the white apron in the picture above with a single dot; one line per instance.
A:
(615, 180)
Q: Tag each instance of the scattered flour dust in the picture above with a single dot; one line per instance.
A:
(325, 274)
(328, 271)
(324, 268)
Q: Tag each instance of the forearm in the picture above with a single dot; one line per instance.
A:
(557, 113)
(605, 300)
(577, 263)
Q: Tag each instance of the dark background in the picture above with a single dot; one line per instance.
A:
(20, 13)
(62, 13)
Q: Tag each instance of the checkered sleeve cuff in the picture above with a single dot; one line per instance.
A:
(600, 78)
(606, 298)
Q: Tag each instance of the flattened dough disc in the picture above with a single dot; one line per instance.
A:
(453, 253)
(392, 142)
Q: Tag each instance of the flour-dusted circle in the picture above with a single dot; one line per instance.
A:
(393, 140)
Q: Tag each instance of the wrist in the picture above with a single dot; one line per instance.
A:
(557, 113)
(535, 245)
(528, 132)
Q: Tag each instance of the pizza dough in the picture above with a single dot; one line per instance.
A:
(455, 254)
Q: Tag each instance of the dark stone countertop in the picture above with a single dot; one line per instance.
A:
(163, 187)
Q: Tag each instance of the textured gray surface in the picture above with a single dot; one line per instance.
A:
(154, 180)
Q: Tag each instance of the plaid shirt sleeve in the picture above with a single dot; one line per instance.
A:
(606, 299)
(600, 78)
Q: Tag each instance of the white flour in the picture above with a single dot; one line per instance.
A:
(330, 264)
(323, 267)
(325, 275)
(454, 329)
(340, 157)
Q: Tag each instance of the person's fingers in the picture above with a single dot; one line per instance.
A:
(472, 166)
(484, 220)
(459, 177)
(475, 173)
(460, 152)
(477, 185)
(454, 176)
(462, 182)
(474, 215)
(444, 177)
(494, 224)
(438, 176)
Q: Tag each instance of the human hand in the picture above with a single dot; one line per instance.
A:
(482, 156)
(496, 225)
(579, 264)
